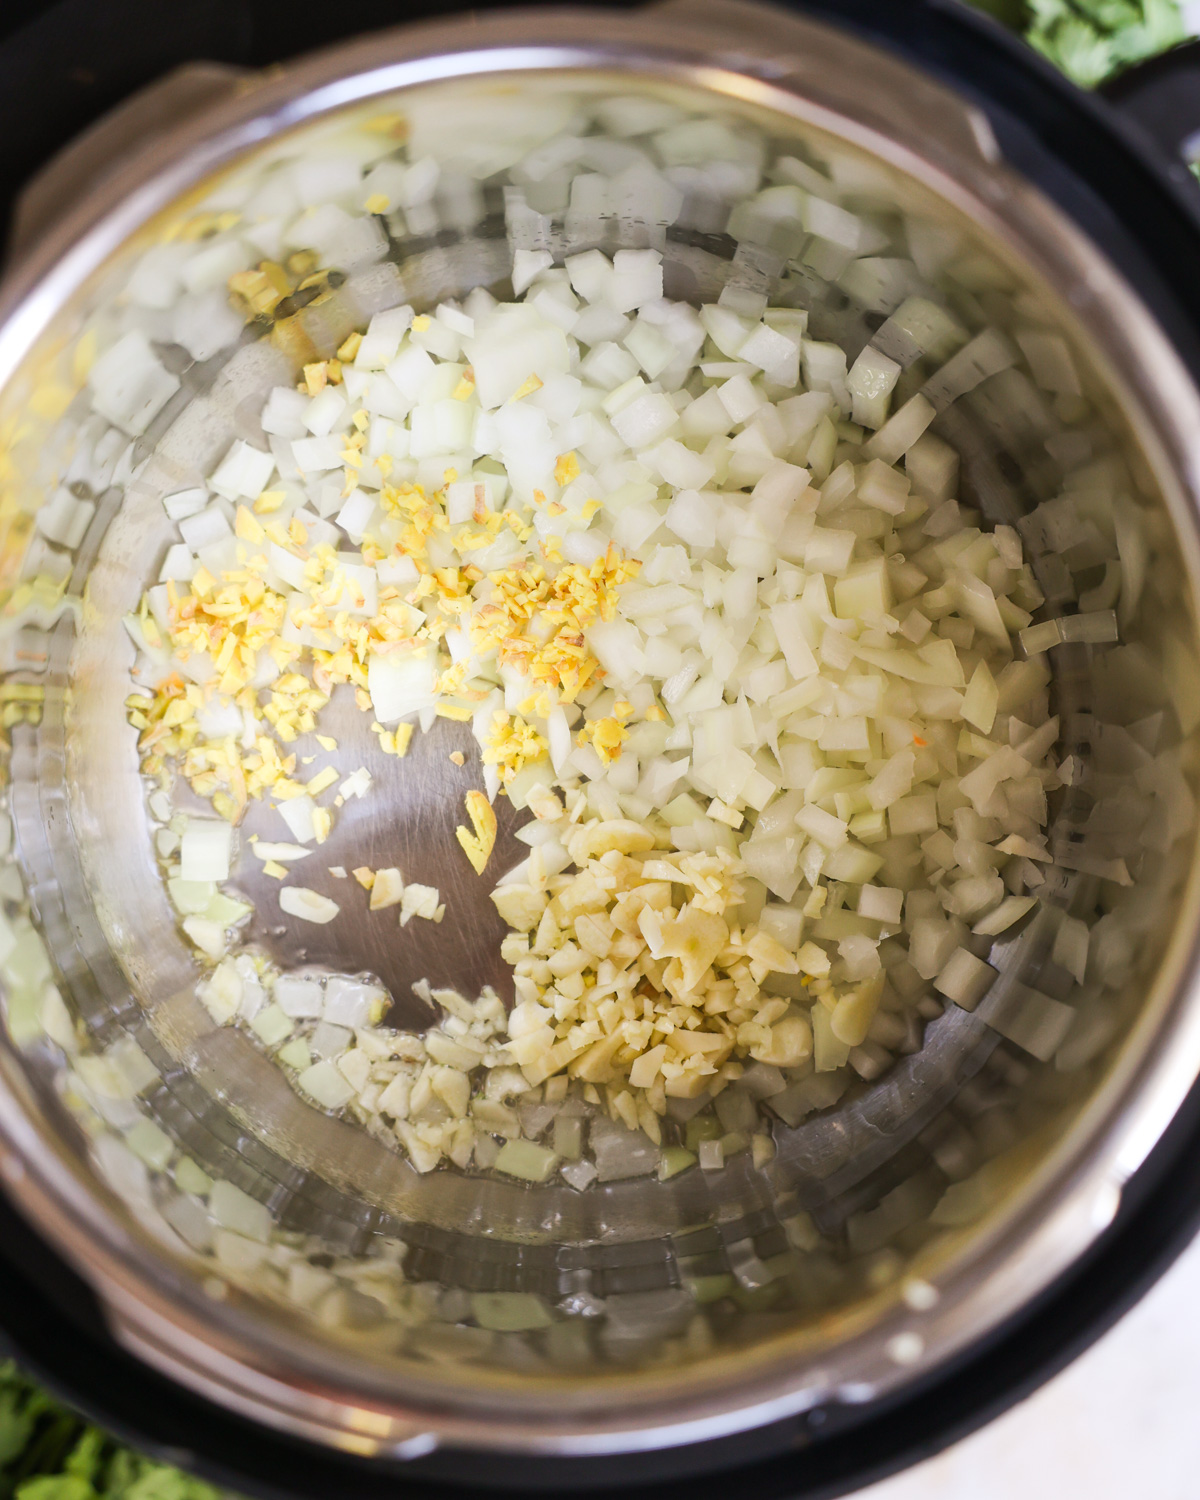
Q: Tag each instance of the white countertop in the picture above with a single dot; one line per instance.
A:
(1121, 1423)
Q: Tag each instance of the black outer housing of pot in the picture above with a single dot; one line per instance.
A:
(64, 64)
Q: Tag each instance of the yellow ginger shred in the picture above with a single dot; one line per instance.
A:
(511, 744)
(566, 468)
(606, 736)
(393, 125)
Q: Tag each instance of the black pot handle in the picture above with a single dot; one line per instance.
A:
(1162, 97)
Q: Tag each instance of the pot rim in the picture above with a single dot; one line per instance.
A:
(1075, 1192)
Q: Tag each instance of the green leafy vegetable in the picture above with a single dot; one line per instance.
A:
(1090, 39)
(49, 1453)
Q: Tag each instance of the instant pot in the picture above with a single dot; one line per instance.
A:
(1090, 212)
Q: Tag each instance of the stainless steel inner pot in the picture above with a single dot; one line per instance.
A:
(892, 1228)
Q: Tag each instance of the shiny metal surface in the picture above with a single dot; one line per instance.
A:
(80, 828)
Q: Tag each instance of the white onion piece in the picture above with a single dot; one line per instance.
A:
(205, 850)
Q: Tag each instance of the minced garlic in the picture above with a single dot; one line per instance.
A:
(478, 845)
(632, 976)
